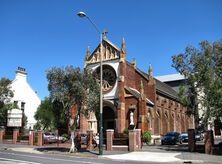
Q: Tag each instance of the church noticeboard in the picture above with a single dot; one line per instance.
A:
(14, 118)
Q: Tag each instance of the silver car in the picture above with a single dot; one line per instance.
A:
(49, 137)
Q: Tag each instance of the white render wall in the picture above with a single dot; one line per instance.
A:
(24, 93)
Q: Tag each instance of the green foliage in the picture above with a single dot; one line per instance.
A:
(60, 118)
(70, 86)
(5, 96)
(5, 93)
(44, 115)
(65, 136)
(147, 137)
(50, 116)
(126, 131)
(202, 68)
(3, 115)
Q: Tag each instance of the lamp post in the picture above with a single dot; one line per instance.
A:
(82, 15)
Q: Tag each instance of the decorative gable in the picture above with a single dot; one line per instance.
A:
(109, 52)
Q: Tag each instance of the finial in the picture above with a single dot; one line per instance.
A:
(104, 33)
(87, 53)
(134, 62)
(123, 46)
(150, 71)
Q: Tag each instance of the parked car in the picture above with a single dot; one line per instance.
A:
(183, 137)
(199, 136)
(49, 137)
(84, 139)
(170, 138)
(61, 139)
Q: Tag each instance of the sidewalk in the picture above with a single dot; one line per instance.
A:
(168, 155)
(147, 154)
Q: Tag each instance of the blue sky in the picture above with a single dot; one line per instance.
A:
(41, 34)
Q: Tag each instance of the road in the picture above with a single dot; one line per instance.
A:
(12, 154)
(13, 157)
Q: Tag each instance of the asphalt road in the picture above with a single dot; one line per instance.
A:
(8, 155)
(13, 157)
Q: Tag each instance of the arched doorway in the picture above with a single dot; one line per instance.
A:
(108, 118)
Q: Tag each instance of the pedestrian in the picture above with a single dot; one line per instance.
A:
(96, 138)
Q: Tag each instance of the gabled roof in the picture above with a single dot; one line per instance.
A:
(161, 87)
(137, 94)
(109, 42)
(114, 54)
(166, 90)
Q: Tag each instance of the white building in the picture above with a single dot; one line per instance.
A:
(25, 97)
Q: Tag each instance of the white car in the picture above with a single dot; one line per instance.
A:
(49, 137)
(61, 139)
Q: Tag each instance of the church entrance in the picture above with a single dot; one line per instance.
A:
(108, 118)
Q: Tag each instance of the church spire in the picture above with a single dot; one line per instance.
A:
(87, 54)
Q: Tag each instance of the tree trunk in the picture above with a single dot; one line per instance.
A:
(72, 148)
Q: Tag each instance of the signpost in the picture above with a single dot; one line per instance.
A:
(14, 118)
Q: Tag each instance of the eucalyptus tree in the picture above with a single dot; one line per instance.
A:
(70, 86)
(203, 71)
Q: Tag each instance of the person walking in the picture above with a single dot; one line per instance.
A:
(96, 138)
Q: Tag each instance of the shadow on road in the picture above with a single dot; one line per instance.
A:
(65, 150)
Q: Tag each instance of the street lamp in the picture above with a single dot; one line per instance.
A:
(82, 15)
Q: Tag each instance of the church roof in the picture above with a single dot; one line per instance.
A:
(161, 87)
(113, 45)
(137, 94)
(112, 53)
(166, 90)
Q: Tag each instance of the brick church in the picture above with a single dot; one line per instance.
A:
(133, 97)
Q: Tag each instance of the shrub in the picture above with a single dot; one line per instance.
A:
(147, 137)
(126, 131)
(65, 136)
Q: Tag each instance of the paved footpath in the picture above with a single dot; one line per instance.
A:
(157, 154)
(166, 154)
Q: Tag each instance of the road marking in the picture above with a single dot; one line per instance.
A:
(15, 160)
(55, 159)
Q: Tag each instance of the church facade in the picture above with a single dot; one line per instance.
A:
(131, 97)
